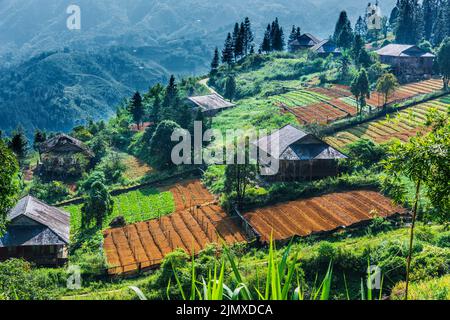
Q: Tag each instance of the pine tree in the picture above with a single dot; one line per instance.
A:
(345, 38)
(439, 29)
(39, 138)
(19, 143)
(277, 36)
(358, 45)
(430, 12)
(215, 62)
(237, 42)
(136, 108)
(409, 26)
(228, 50)
(394, 16)
(170, 100)
(292, 38)
(298, 33)
(443, 58)
(342, 22)
(266, 45)
(230, 88)
(361, 27)
(248, 35)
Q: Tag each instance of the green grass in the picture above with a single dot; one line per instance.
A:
(134, 206)
(434, 289)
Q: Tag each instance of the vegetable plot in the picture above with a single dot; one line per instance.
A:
(402, 125)
(320, 214)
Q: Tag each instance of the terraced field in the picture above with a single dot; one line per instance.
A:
(403, 125)
(320, 214)
(325, 105)
(144, 245)
(150, 203)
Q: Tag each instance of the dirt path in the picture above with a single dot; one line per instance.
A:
(205, 83)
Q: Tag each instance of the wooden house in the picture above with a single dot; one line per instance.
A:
(304, 42)
(326, 47)
(301, 156)
(64, 157)
(408, 62)
(210, 105)
(36, 232)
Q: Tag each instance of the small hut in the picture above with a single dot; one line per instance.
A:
(64, 157)
(408, 62)
(211, 104)
(326, 47)
(305, 41)
(36, 232)
(300, 155)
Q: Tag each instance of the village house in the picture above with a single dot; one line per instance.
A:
(326, 47)
(301, 156)
(304, 42)
(64, 157)
(408, 62)
(210, 105)
(37, 233)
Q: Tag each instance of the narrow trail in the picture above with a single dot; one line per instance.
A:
(205, 83)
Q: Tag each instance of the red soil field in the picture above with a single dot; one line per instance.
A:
(143, 245)
(317, 215)
(190, 193)
(336, 109)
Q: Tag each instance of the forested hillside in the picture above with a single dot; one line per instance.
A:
(157, 38)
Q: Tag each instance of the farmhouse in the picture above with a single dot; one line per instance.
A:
(64, 157)
(36, 232)
(408, 62)
(211, 104)
(300, 155)
(325, 48)
(305, 41)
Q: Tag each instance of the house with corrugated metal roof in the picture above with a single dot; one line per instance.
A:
(408, 62)
(36, 232)
(210, 104)
(305, 41)
(326, 47)
(64, 157)
(300, 155)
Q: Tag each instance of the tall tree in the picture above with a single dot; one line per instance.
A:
(430, 12)
(361, 28)
(394, 16)
(97, 207)
(230, 88)
(444, 61)
(228, 50)
(364, 58)
(9, 169)
(161, 145)
(358, 45)
(440, 28)
(360, 88)
(341, 23)
(136, 108)
(19, 143)
(39, 137)
(424, 160)
(386, 85)
(277, 36)
(292, 38)
(266, 45)
(409, 28)
(237, 41)
(171, 100)
(215, 62)
(248, 35)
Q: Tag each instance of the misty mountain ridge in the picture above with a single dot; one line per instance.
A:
(54, 78)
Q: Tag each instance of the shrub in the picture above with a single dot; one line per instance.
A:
(51, 193)
(443, 240)
(18, 282)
